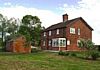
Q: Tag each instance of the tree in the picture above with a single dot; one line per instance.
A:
(12, 26)
(31, 29)
(3, 24)
(37, 34)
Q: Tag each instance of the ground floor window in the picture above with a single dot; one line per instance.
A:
(49, 44)
(59, 42)
(68, 42)
(44, 43)
(55, 42)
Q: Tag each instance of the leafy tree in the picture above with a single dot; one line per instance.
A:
(31, 29)
(37, 34)
(3, 24)
(12, 26)
(7, 26)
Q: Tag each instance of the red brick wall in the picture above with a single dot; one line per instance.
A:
(18, 45)
(62, 33)
(85, 33)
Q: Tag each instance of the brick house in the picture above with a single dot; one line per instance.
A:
(65, 35)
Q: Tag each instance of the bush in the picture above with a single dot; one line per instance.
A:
(66, 53)
(34, 50)
(73, 54)
(61, 53)
(94, 55)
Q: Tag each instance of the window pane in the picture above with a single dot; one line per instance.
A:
(57, 31)
(61, 43)
(68, 42)
(49, 33)
(43, 43)
(64, 42)
(49, 43)
(44, 33)
(78, 31)
(72, 30)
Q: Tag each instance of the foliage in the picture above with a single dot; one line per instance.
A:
(86, 44)
(12, 26)
(73, 54)
(31, 29)
(94, 55)
(3, 25)
(61, 53)
(30, 20)
(7, 27)
(24, 30)
(67, 53)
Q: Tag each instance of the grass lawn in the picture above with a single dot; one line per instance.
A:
(45, 61)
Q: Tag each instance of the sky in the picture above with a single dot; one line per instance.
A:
(51, 11)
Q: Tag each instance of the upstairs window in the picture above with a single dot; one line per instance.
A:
(57, 31)
(49, 33)
(72, 30)
(44, 33)
(78, 31)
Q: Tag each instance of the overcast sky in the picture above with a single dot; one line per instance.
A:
(51, 11)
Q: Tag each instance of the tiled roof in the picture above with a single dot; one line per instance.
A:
(64, 24)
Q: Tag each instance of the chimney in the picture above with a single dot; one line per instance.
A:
(65, 17)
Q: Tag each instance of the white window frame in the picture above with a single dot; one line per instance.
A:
(57, 31)
(59, 42)
(68, 42)
(55, 42)
(44, 34)
(79, 31)
(72, 30)
(49, 43)
(44, 43)
(49, 33)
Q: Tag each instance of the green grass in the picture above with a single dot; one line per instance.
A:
(45, 61)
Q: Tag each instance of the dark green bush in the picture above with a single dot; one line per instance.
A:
(66, 53)
(73, 54)
(61, 53)
(94, 55)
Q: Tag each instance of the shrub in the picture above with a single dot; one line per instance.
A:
(66, 53)
(94, 55)
(73, 54)
(61, 53)
(34, 50)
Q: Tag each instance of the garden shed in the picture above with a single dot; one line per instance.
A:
(19, 45)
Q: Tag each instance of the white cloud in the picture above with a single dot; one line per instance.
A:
(89, 10)
(47, 17)
(7, 4)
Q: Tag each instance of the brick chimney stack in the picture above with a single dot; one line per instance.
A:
(65, 17)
